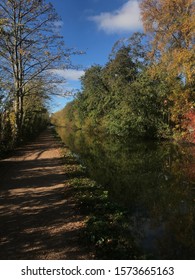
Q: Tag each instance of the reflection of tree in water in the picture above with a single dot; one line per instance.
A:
(151, 180)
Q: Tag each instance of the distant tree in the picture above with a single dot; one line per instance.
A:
(30, 46)
(36, 114)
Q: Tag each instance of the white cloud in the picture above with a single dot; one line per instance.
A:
(125, 19)
(68, 74)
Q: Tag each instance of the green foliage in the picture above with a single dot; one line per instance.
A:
(122, 98)
(137, 93)
(107, 229)
(93, 95)
(69, 116)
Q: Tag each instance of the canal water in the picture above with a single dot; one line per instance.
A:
(154, 181)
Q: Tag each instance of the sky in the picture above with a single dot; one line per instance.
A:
(93, 26)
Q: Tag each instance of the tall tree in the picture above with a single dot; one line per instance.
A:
(94, 92)
(30, 46)
(172, 26)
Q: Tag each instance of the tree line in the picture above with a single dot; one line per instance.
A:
(147, 86)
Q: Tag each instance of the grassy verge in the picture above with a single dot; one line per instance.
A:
(107, 230)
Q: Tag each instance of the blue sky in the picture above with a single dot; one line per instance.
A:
(93, 26)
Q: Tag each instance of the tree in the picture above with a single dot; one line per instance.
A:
(171, 23)
(138, 46)
(172, 26)
(30, 46)
(94, 93)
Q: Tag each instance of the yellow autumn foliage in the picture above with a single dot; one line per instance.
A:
(172, 26)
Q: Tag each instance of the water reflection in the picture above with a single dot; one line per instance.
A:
(154, 181)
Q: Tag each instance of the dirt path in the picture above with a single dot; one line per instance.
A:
(38, 216)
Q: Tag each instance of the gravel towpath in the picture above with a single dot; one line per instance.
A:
(39, 218)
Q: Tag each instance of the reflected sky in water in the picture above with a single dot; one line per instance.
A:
(155, 181)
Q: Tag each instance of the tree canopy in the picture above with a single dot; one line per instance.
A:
(171, 23)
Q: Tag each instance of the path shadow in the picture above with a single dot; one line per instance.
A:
(38, 215)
